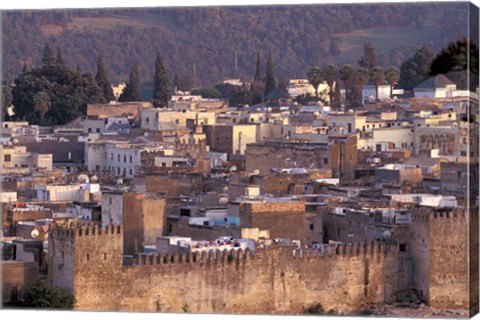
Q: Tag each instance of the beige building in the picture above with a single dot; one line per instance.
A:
(230, 139)
(394, 137)
(160, 119)
(13, 157)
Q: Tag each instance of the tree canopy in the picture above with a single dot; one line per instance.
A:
(315, 77)
(369, 58)
(416, 69)
(40, 296)
(131, 92)
(102, 81)
(54, 94)
(270, 81)
(160, 82)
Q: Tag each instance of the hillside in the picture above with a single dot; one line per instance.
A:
(298, 36)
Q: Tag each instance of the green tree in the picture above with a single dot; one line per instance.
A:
(131, 92)
(377, 77)
(362, 77)
(369, 58)
(270, 82)
(39, 295)
(258, 69)
(42, 104)
(330, 74)
(209, 93)
(416, 69)
(459, 60)
(347, 75)
(160, 82)
(257, 88)
(337, 96)
(102, 81)
(24, 67)
(392, 75)
(315, 77)
(69, 94)
(6, 99)
(59, 56)
(48, 59)
(240, 96)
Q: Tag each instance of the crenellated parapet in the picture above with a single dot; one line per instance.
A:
(351, 250)
(82, 230)
(196, 258)
(347, 250)
(441, 214)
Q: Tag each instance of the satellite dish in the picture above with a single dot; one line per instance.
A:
(119, 181)
(94, 178)
(225, 189)
(223, 201)
(233, 169)
(35, 233)
(15, 141)
(387, 234)
(82, 178)
(256, 172)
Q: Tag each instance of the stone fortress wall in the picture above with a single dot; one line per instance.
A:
(273, 280)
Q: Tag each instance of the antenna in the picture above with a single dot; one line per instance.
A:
(236, 63)
(194, 75)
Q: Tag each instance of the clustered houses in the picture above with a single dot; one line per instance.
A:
(199, 174)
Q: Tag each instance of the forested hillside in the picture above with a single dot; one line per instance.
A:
(299, 37)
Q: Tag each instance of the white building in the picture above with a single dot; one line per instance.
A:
(438, 86)
(76, 192)
(121, 158)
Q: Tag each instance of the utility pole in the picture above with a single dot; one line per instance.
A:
(194, 75)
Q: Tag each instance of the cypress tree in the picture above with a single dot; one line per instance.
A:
(102, 81)
(369, 59)
(258, 72)
(25, 68)
(270, 83)
(60, 56)
(160, 82)
(131, 92)
(48, 59)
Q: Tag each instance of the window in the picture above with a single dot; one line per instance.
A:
(130, 171)
(104, 256)
(131, 159)
(459, 174)
(325, 161)
(147, 119)
(98, 130)
(89, 130)
(118, 158)
(124, 158)
(88, 256)
(312, 226)
(463, 153)
(402, 247)
(7, 158)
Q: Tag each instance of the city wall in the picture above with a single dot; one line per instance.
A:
(273, 280)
